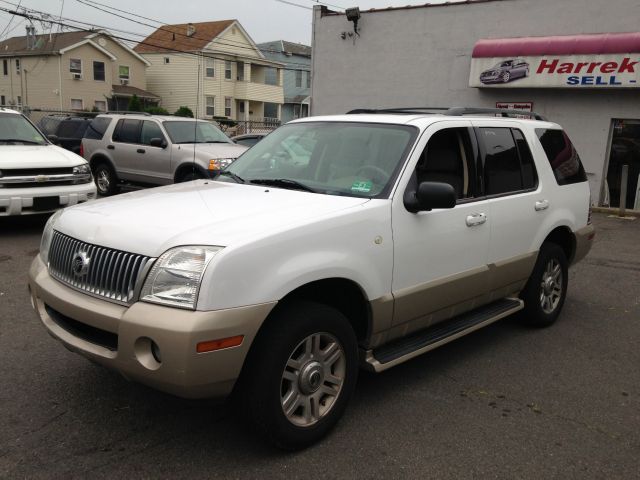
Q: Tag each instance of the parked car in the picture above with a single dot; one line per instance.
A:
(65, 131)
(248, 139)
(154, 150)
(396, 234)
(35, 175)
(506, 71)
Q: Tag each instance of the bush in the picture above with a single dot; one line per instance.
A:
(184, 112)
(134, 104)
(156, 111)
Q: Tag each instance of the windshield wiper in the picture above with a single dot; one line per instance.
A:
(237, 178)
(14, 140)
(214, 141)
(283, 183)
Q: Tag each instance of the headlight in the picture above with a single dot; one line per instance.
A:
(47, 235)
(220, 163)
(82, 174)
(175, 278)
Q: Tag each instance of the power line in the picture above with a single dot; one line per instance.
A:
(9, 23)
(98, 5)
(294, 4)
(327, 4)
(50, 19)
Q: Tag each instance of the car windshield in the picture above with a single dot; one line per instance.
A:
(194, 132)
(336, 158)
(16, 130)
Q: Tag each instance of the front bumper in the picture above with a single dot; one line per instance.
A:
(182, 371)
(19, 201)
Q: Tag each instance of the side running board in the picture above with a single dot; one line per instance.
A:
(406, 348)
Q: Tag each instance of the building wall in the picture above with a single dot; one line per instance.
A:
(37, 83)
(174, 82)
(271, 50)
(422, 57)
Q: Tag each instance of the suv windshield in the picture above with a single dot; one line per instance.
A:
(337, 158)
(194, 132)
(15, 129)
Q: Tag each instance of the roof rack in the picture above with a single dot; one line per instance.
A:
(453, 111)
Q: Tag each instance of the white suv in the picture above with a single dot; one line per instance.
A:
(386, 235)
(35, 175)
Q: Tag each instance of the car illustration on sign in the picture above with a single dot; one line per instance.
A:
(506, 71)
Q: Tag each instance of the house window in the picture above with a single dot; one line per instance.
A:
(76, 104)
(123, 72)
(19, 101)
(166, 60)
(211, 106)
(2, 100)
(241, 106)
(299, 78)
(240, 69)
(75, 66)
(5, 67)
(210, 70)
(227, 106)
(308, 79)
(100, 105)
(227, 70)
(18, 66)
(98, 71)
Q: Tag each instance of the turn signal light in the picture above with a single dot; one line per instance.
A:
(212, 345)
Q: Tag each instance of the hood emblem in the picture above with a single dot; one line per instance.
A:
(80, 264)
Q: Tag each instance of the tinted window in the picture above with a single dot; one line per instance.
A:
(562, 156)
(127, 131)
(150, 130)
(97, 127)
(529, 174)
(188, 131)
(72, 128)
(98, 71)
(501, 163)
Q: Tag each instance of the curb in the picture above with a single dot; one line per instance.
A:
(616, 211)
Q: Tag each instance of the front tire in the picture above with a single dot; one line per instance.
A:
(300, 374)
(506, 76)
(546, 289)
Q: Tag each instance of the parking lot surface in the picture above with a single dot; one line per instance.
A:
(504, 402)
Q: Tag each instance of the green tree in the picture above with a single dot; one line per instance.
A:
(134, 104)
(156, 111)
(184, 112)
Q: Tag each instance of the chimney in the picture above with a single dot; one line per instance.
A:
(191, 30)
(31, 37)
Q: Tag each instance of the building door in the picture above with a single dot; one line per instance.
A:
(625, 150)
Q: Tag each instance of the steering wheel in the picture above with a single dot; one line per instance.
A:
(376, 170)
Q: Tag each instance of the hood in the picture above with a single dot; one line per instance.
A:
(202, 212)
(37, 156)
(215, 150)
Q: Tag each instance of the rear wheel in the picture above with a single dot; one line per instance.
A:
(300, 375)
(546, 289)
(106, 179)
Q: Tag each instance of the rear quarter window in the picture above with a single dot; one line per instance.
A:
(97, 128)
(562, 155)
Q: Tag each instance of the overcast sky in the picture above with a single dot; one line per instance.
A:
(264, 19)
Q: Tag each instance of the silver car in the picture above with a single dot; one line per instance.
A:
(154, 150)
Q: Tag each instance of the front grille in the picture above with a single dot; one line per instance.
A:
(25, 172)
(108, 273)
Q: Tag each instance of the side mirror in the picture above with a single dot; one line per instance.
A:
(430, 195)
(158, 142)
(53, 139)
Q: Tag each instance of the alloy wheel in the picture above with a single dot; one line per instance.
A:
(551, 286)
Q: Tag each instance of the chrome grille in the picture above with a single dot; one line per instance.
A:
(111, 274)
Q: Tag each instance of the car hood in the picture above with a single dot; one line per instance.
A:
(215, 150)
(148, 222)
(37, 156)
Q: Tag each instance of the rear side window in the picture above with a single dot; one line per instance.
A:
(562, 156)
(97, 127)
(501, 163)
(127, 131)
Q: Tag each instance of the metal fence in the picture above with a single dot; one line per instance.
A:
(48, 119)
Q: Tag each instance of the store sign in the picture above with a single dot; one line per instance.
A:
(524, 106)
(573, 71)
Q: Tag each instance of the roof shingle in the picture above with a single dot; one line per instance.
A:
(45, 44)
(170, 38)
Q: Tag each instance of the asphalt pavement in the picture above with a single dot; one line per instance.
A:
(504, 402)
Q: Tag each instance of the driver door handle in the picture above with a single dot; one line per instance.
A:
(476, 219)
(541, 205)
